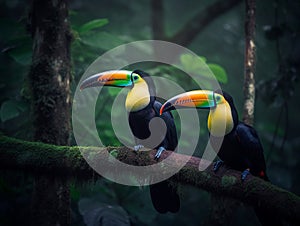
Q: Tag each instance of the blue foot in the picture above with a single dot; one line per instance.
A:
(158, 153)
(217, 165)
(245, 173)
(137, 147)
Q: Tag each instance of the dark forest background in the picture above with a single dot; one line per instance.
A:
(98, 26)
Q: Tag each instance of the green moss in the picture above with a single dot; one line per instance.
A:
(228, 181)
(206, 175)
(36, 155)
(113, 154)
(68, 161)
(191, 176)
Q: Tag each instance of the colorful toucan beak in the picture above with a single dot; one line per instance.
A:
(119, 78)
(191, 99)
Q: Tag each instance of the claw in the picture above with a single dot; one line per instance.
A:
(158, 153)
(245, 173)
(137, 147)
(217, 165)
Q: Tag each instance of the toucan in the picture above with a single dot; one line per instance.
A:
(142, 107)
(240, 149)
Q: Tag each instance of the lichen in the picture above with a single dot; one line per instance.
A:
(228, 181)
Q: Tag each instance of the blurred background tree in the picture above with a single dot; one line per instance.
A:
(212, 29)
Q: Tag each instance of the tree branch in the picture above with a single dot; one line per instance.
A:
(68, 161)
(194, 26)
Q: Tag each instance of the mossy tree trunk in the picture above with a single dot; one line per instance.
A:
(50, 85)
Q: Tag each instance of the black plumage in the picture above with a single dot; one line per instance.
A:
(241, 148)
(164, 197)
(139, 125)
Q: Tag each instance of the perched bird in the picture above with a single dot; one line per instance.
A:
(142, 107)
(240, 149)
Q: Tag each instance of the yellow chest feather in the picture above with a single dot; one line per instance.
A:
(220, 120)
(138, 97)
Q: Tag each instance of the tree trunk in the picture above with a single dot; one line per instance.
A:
(49, 78)
(249, 81)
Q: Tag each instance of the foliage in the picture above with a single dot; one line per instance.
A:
(191, 64)
(93, 24)
(100, 26)
(10, 109)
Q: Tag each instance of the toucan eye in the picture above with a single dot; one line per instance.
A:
(218, 98)
(135, 77)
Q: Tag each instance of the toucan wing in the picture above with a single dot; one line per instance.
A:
(170, 142)
(251, 145)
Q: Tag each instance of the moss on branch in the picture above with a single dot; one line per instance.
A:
(68, 161)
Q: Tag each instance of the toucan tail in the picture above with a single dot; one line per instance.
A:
(164, 197)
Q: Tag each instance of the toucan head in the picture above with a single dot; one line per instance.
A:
(220, 103)
(117, 78)
(204, 99)
(142, 91)
(141, 76)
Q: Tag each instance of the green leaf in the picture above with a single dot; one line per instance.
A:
(9, 110)
(21, 55)
(219, 72)
(102, 40)
(73, 13)
(192, 63)
(186, 61)
(114, 153)
(74, 192)
(93, 24)
(113, 91)
(198, 66)
(203, 59)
